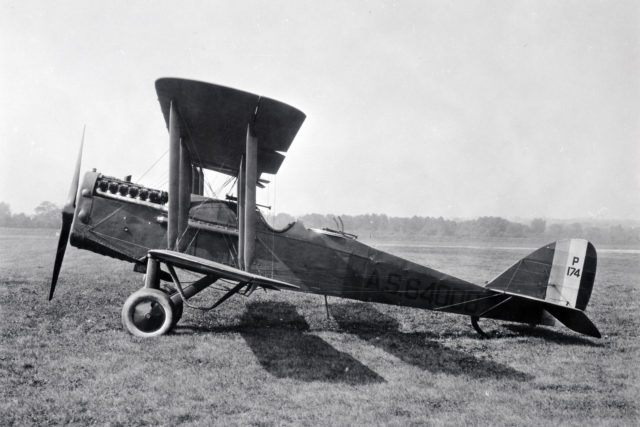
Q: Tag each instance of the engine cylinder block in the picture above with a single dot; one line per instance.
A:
(115, 187)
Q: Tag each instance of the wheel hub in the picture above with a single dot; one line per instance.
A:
(148, 316)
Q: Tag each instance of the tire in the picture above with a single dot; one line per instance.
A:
(148, 313)
(177, 310)
(178, 307)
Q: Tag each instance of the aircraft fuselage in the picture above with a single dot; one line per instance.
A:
(124, 220)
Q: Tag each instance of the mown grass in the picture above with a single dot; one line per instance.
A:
(275, 358)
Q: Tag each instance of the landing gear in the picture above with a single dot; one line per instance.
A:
(153, 311)
(149, 313)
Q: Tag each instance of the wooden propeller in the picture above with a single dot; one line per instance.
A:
(67, 220)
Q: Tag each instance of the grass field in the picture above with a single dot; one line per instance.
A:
(275, 358)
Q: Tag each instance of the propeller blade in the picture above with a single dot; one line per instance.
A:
(67, 219)
(75, 181)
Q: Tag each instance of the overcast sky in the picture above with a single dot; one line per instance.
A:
(460, 109)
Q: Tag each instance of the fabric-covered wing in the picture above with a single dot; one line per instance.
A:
(205, 266)
(214, 123)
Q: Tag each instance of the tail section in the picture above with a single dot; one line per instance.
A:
(557, 279)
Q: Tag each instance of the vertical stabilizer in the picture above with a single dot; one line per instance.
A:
(561, 273)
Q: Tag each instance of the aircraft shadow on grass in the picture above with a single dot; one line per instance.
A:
(416, 348)
(278, 336)
(557, 337)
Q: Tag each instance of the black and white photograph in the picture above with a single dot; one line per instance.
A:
(319, 212)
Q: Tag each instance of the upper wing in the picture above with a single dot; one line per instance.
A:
(214, 120)
(204, 266)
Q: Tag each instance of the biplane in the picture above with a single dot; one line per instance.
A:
(167, 234)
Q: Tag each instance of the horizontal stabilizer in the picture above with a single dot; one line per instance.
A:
(204, 266)
(573, 319)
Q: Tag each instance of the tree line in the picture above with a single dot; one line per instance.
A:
(46, 215)
(380, 226)
(419, 228)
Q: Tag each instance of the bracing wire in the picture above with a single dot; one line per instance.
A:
(152, 166)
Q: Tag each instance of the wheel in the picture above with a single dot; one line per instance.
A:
(177, 307)
(177, 312)
(148, 313)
